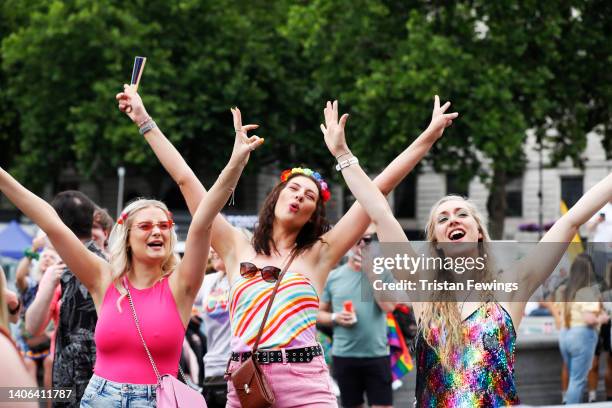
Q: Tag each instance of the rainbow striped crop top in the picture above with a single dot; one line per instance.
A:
(292, 318)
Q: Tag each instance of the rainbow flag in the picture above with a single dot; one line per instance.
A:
(401, 361)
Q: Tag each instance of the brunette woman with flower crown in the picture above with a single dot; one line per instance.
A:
(465, 351)
(291, 222)
(143, 266)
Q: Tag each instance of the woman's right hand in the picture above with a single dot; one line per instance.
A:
(131, 104)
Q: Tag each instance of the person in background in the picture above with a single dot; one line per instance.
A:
(13, 373)
(360, 350)
(216, 321)
(582, 315)
(101, 229)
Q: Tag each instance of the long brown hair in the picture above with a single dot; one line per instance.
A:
(581, 276)
(309, 234)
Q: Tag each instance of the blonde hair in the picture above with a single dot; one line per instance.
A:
(119, 251)
(442, 315)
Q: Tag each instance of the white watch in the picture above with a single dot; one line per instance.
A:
(345, 163)
(333, 318)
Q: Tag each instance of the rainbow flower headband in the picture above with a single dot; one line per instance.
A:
(325, 194)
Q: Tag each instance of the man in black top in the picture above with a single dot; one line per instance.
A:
(75, 350)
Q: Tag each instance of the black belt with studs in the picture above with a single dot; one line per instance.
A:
(298, 355)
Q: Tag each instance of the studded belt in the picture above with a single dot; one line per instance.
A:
(297, 355)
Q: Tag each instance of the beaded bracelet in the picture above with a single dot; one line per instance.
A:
(343, 154)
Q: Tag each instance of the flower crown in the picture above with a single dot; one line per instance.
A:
(124, 216)
(325, 194)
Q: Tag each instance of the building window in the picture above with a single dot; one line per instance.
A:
(514, 197)
(455, 185)
(571, 189)
(405, 197)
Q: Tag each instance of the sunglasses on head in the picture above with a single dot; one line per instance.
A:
(147, 226)
(366, 240)
(268, 273)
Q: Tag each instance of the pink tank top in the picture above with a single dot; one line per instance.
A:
(120, 355)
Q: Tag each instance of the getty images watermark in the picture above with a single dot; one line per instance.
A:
(503, 271)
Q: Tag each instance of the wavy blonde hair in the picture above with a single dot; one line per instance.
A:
(441, 313)
(120, 254)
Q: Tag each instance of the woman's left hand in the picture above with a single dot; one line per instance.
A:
(333, 130)
(243, 144)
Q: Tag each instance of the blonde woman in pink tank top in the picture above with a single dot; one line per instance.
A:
(292, 220)
(142, 257)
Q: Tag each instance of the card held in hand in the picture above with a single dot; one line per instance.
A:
(139, 63)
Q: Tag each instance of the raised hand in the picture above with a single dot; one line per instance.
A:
(56, 271)
(131, 104)
(39, 242)
(440, 120)
(243, 144)
(333, 130)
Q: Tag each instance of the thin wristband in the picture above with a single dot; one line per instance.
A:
(343, 154)
(142, 122)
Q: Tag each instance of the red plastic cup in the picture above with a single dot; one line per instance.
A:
(348, 306)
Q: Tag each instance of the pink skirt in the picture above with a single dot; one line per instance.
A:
(294, 384)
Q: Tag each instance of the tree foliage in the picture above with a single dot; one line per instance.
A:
(506, 66)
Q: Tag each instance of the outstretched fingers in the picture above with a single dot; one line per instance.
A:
(334, 115)
(444, 107)
(237, 119)
(343, 120)
(246, 128)
(327, 113)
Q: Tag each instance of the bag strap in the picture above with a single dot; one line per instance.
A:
(129, 296)
(272, 296)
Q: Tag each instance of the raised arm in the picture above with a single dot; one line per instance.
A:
(365, 191)
(88, 268)
(350, 227)
(191, 271)
(224, 235)
(38, 314)
(23, 267)
(537, 266)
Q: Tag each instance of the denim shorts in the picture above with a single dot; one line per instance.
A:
(108, 394)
